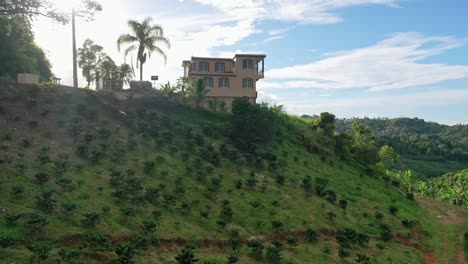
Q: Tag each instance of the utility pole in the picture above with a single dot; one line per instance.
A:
(75, 67)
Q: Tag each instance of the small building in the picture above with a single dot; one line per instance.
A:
(227, 78)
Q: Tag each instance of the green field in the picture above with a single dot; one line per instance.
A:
(148, 159)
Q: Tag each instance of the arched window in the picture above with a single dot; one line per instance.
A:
(204, 66)
(247, 83)
(247, 64)
(223, 83)
(219, 67)
(208, 82)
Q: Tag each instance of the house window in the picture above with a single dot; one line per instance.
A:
(208, 82)
(223, 83)
(247, 64)
(247, 83)
(204, 67)
(193, 67)
(219, 67)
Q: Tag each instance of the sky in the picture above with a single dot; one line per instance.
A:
(353, 58)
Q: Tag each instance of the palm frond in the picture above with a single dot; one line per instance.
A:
(125, 39)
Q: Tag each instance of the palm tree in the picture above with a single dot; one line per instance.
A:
(198, 91)
(125, 73)
(107, 68)
(144, 39)
(167, 89)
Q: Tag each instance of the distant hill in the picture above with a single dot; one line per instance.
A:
(428, 148)
(88, 178)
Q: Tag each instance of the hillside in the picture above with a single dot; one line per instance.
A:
(428, 148)
(88, 178)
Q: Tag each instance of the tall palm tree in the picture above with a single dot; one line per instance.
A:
(144, 39)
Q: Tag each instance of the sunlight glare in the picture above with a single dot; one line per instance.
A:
(66, 5)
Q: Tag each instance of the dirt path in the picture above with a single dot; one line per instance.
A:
(448, 215)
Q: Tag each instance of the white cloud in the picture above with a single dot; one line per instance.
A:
(199, 33)
(393, 63)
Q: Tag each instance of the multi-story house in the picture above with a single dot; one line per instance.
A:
(227, 78)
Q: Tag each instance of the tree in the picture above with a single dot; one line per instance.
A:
(167, 89)
(107, 68)
(144, 39)
(186, 256)
(89, 57)
(183, 84)
(18, 51)
(31, 9)
(124, 73)
(326, 122)
(198, 92)
(388, 157)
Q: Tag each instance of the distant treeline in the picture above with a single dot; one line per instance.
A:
(420, 142)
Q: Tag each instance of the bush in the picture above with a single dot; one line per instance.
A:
(91, 219)
(273, 253)
(343, 204)
(186, 256)
(251, 125)
(12, 219)
(46, 202)
(40, 250)
(311, 235)
(97, 242)
(409, 223)
(386, 233)
(7, 240)
(343, 253)
(393, 209)
(126, 253)
(363, 259)
(233, 258)
(256, 248)
(331, 215)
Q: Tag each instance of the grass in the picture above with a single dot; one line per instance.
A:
(254, 208)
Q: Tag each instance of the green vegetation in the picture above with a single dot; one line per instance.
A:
(427, 148)
(98, 185)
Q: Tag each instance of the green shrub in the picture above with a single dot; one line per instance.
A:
(186, 256)
(97, 242)
(126, 253)
(393, 209)
(343, 253)
(40, 250)
(311, 235)
(70, 255)
(256, 248)
(91, 219)
(343, 204)
(12, 219)
(7, 240)
(273, 253)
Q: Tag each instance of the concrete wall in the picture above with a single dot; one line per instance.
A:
(27, 78)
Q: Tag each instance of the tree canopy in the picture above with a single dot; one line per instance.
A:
(18, 51)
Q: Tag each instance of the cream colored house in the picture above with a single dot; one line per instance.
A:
(227, 78)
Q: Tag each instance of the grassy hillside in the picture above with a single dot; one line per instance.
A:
(428, 148)
(86, 178)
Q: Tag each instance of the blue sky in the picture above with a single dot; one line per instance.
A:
(354, 58)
